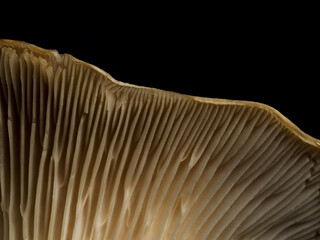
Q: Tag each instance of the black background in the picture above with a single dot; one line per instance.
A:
(258, 52)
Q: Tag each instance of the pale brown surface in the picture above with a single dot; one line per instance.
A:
(84, 156)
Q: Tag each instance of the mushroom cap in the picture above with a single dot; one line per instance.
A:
(84, 156)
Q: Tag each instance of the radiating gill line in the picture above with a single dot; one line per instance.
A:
(273, 220)
(86, 79)
(195, 173)
(275, 230)
(164, 116)
(161, 145)
(191, 117)
(96, 181)
(104, 186)
(57, 84)
(57, 198)
(147, 136)
(211, 211)
(114, 179)
(152, 159)
(16, 86)
(269, 204)
(260, 201)
(168, 154)
(198, 194)
(296, 228)
(192, 176)
(130, 181)
(130, 184)
(250, 191)
(75, 118)
(208, 157)
(122, 156)
(58, 136)
(4, 171)
(15, 230)
(83, 171)
(81, 149)
(29, 83)
(42, 185)
(237, 172)
(15, 222)
(94, 99)
(2, 223)
(288, 173)
(185, 144)
(88, 177)
(270, 141)
(42, 99)
(111, 163)
(3, 76)
(283, 210)
(215, 121)
(173, 170)
(24, 138)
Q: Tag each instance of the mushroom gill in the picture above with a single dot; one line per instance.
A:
(83, 156)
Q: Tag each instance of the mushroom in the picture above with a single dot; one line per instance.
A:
(84, 156)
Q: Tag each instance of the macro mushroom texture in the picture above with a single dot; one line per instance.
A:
(83, 156)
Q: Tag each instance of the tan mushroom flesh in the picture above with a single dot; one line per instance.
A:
(83, 156)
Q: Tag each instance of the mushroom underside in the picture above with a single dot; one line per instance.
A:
(83, 156)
